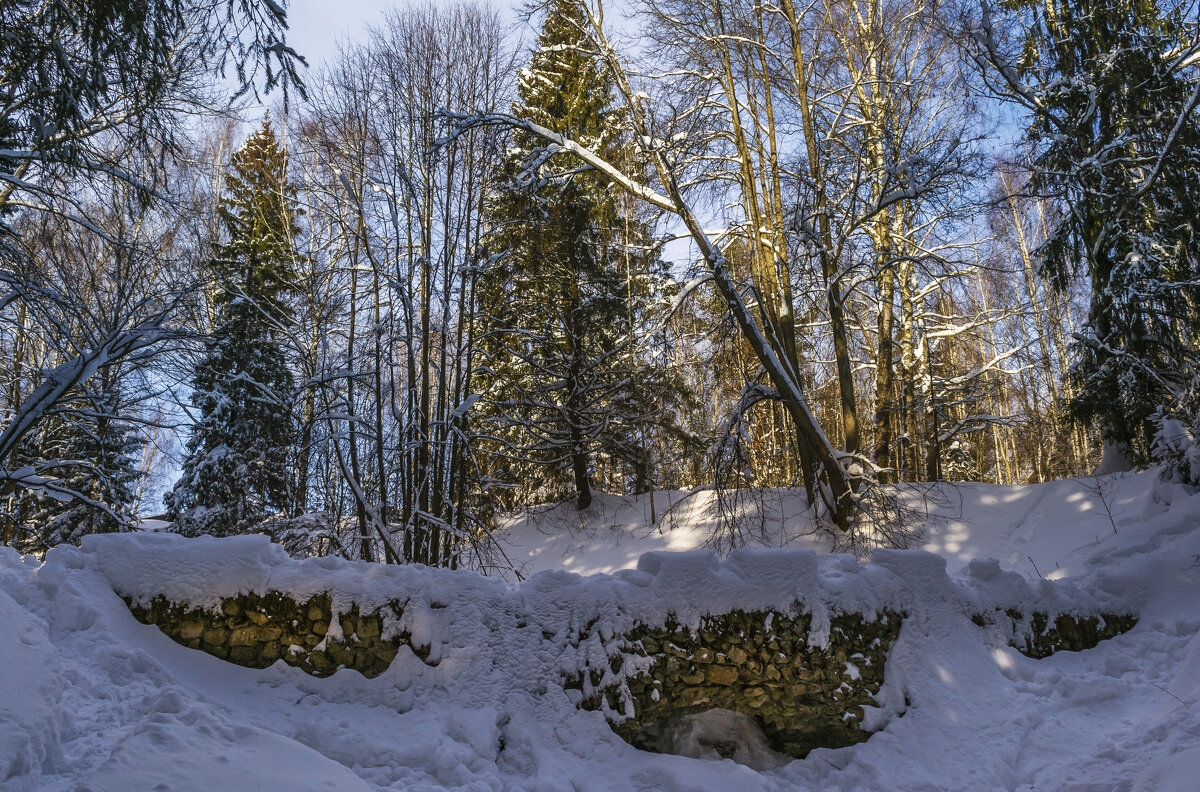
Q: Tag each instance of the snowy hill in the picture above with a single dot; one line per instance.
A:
(92, 700)
(1042, 525)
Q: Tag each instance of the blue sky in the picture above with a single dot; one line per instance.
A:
(316, 25)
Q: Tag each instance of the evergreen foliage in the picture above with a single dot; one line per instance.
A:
(1121, 153)
(95, 453)
(236, 472)
(96, 96)
(573, 280)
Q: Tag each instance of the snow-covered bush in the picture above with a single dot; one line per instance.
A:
(1177, 447)
(313, 534)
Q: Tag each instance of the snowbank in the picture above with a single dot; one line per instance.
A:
(439, 604)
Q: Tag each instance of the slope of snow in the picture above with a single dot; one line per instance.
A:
(92, 700)
(616, 530)
(1038, 529)
(1022, 526)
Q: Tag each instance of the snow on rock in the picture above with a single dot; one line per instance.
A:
(717, 734)
(439, 605)
(90, 699)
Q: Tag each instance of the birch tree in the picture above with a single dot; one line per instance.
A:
(408, 214)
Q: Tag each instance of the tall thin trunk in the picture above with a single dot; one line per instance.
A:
(884, 366)
(909, 368)
(837, 314)
(360, 508)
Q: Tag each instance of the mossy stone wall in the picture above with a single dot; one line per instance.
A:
(761, 664)
(1035, 635)
(758, 663)
(255, 631)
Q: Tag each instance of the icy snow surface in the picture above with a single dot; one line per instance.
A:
(92, 700)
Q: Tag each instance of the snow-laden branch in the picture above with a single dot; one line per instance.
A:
(59, 382)
(462, 122)
(986, 39)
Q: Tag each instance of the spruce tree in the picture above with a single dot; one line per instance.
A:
(1120, 153)
(573, 275)
(235, 473)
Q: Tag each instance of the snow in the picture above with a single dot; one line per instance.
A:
(716, 734)
(615, 531)
(92, 700)
(29, 719)
(1022, 526)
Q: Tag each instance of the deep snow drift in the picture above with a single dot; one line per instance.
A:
(92, 700)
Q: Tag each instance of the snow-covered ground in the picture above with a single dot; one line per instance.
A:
(92, 700)
(1023, 527)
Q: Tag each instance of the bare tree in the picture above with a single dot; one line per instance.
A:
(404, 228)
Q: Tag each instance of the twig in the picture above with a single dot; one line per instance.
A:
(1169, 693)
(1102, 490)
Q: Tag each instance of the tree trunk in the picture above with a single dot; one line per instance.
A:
(884, 364)
(360, 508)
(837, 314)
(579, 466)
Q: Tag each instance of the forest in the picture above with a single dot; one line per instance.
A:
(370, 305)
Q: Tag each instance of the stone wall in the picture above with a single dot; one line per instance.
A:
(757, 663)
(1034, 635)
(255, 631)
(762, 665)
